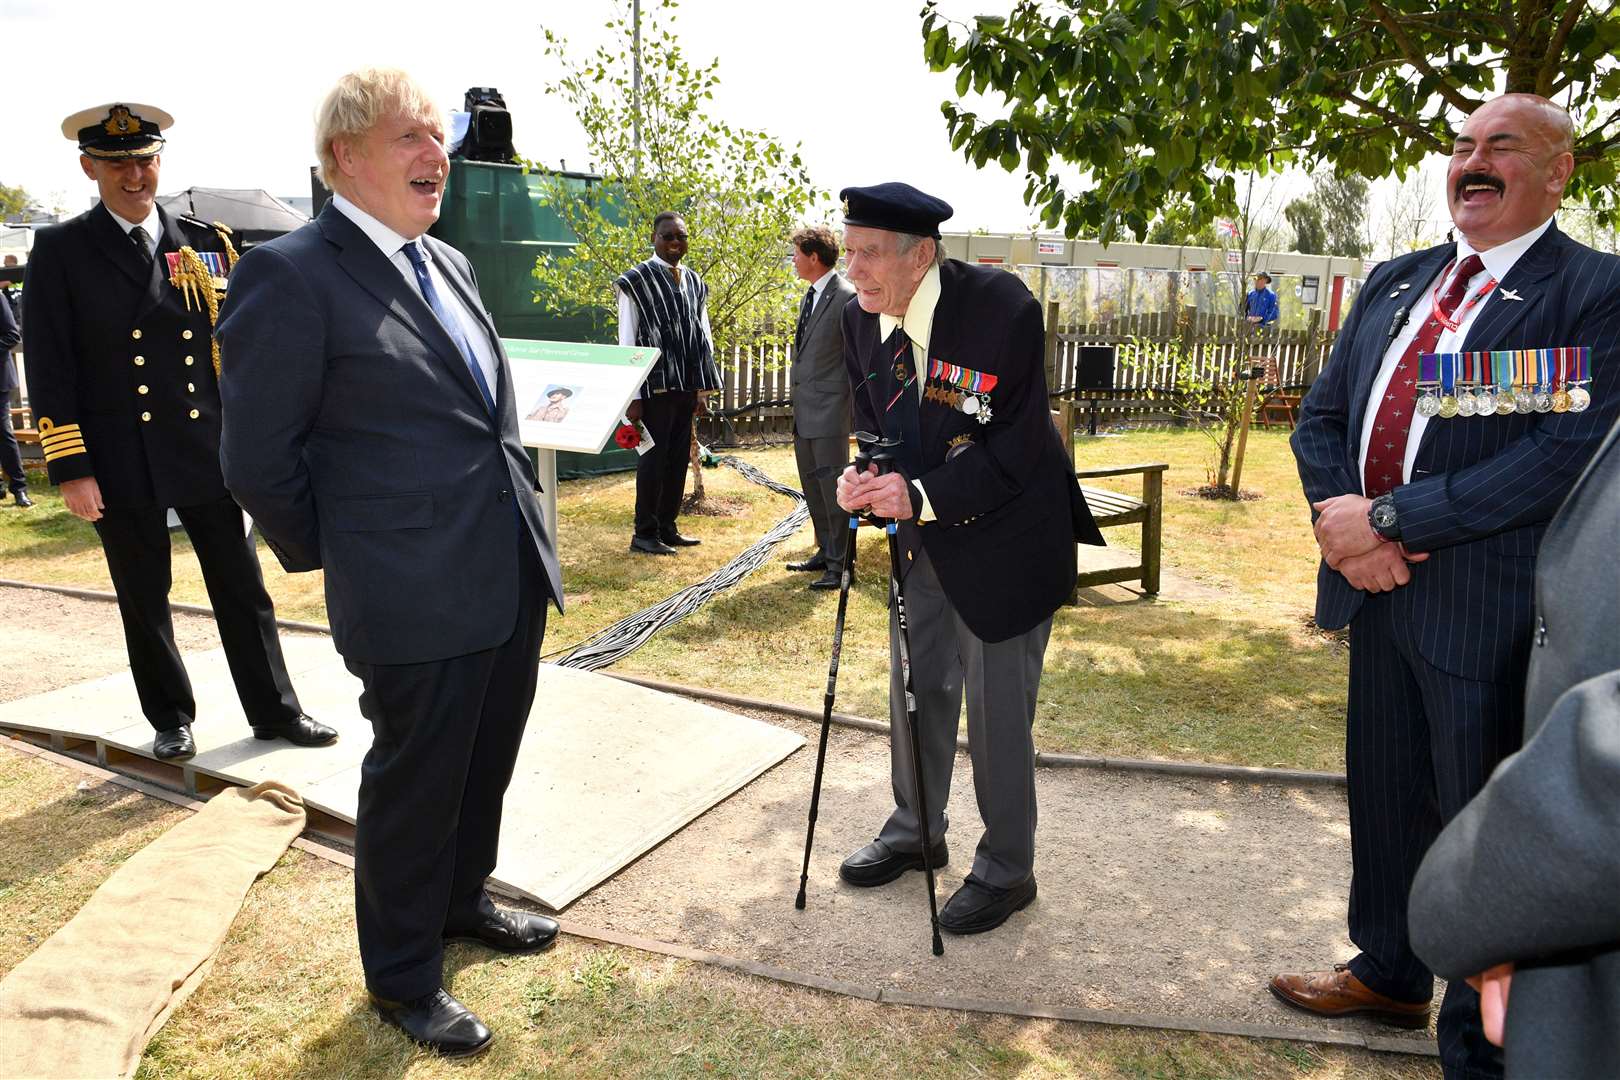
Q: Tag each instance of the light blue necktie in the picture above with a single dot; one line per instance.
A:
(451, 324)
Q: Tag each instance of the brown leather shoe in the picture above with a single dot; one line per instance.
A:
(1339, 993)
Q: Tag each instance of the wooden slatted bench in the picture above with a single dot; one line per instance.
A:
(1111, 508)
(22, 425)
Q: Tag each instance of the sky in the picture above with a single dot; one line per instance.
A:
(843, 78)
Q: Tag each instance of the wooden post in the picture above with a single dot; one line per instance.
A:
(1152, 528)
(1243, 431)
(1053, 383)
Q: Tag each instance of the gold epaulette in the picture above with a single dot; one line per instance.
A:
(59, 441)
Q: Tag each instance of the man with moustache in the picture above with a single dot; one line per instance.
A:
(1429, 527)
(371, 428)
(946, 360)
(820, 397)
(122, 378)
(665, 306)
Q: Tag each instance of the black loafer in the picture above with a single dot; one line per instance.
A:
(648, 546)
(510, 932)
(23, 501)
(301, 730)
(811, 565)
(438, 1022)
(675, 539)
(879, 864)
(832, 579)
(977, 907)
(174, 744)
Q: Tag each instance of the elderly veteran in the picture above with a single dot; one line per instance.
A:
(945, 360)
(1468, 389)
(371, 428)
(123, 378)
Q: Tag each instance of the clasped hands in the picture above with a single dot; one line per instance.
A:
(1350, 546)
(885, 496)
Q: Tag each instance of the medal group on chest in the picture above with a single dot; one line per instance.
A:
(1503, 382)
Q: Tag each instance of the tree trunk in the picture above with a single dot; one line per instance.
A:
(695, 499)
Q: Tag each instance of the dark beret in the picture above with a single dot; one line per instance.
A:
(896, 207)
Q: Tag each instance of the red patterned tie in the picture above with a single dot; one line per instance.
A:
(1386, 450)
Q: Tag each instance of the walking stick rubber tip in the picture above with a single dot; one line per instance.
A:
(799, 900)
(939, 946)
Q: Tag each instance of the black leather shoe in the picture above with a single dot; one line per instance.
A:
(438, 1022)
(301, 730)
(510, 932)
(977, 907)
(648, 546)
(811, 565)
(175, 744)
(832, 579)
(879, 864)
(23, 501)
(675, 539)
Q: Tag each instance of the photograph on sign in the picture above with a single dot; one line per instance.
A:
(570, 395)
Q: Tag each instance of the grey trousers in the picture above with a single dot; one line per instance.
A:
(1001, 681)
(828, 455)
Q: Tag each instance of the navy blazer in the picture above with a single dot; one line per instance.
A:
(355, 436)
(1008, 507)
(1482, 488)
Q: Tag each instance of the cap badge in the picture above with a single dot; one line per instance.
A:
(119, 122)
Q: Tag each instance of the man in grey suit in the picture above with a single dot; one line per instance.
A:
(1519, 892)
(370, 429)
(820, 396)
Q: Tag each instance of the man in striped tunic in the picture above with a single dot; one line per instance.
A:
(665, 306)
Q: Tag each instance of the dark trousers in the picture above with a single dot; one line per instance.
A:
(445, 740)
(661, 472)
(820, 461)
(1001, 681)
(10, 453)
(136, 542)
(1419, 744)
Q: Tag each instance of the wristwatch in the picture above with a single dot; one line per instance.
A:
(1381, 516)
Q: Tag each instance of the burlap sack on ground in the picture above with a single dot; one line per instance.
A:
(88, 1000)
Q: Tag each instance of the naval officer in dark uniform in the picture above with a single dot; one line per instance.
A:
(123, 377)
(946, 360)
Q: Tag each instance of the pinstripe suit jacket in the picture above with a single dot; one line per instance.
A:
(1482, 489)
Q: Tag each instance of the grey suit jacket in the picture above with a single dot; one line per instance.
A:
(356, 437)
(1530, 870)
(820, 393)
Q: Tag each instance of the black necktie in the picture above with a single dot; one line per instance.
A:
(902, 415)
(806, 306)
(142, 242)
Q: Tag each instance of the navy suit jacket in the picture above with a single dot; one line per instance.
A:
(355, 436)
(1008, 507)
(1482, 489)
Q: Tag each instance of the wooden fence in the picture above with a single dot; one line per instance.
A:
(753, 401)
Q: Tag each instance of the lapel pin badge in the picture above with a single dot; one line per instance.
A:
(1509, 294)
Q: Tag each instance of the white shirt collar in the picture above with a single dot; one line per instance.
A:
(387, 240)
(820, 284)
(1501, 258)
(153, 224)
(919, 317)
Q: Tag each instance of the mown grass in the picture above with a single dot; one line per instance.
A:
(1223, 668)
(284, 999)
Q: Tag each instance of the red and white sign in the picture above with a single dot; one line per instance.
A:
(1234, 258)
(1049, 247)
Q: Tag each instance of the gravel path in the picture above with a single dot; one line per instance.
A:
(1158, 895)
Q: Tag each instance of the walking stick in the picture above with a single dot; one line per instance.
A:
(846, 576)
(897, 594)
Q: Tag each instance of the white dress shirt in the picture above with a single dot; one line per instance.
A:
(919, 323)
(153, 226)
(1497, 262)
(392, 245)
